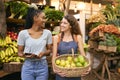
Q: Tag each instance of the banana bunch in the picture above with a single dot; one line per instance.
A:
(8, 51)
(14, 43)
(10, 55)
(3, 43)
(8, 40)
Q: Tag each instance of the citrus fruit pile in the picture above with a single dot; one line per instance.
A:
(71, 62)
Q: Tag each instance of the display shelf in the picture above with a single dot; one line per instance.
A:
(12, 67)
(3, 73)
(17, 21)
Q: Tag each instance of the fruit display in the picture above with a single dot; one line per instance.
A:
(105, 29)
(12, 35)
(71, 62)
(72, 65)
(8, 50)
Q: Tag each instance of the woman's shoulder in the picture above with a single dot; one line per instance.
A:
(57, 35)
(46, 30)
(23, 31)
(77, 37)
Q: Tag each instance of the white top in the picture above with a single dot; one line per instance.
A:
(32, 45)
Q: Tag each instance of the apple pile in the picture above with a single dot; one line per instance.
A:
(13, 35)
(71, 62)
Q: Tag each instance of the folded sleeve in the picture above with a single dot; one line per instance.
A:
(21, 38)
(49, 38)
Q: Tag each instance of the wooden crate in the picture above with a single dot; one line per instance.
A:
(12, 67)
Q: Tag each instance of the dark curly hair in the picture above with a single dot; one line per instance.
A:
(30, 15)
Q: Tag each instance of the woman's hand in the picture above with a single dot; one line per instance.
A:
(40, 55)
(30, 55)
(58, 72)
(87, 72)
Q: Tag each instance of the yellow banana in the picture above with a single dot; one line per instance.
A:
(15, 49)
(14, 43)
(4, 42)
(3, 54)
(11, 50)
(0, 41)
(8, 40)
(7, 51)
(0, 54)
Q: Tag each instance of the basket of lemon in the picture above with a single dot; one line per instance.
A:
(72, 66)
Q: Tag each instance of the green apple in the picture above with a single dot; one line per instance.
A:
(85, 64)
(67, 62)
(69, 58)
(76, 59)
(62, 63)
(67, 66)
(81, 59)
(78, 64)
(57, 61)
(73, 64)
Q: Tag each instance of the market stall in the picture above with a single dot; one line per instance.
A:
(104, 41)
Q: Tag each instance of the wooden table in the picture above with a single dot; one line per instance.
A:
(104, 67)
(3, 73)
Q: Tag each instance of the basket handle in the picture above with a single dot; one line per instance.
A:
(72, 52)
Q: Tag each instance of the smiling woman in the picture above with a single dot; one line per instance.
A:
(37, 42)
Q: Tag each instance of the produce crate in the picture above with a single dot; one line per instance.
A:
(12, 67)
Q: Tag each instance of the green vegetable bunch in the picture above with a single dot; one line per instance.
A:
(23, 10)
(109, 41)
(17, 7)
(112, 14)
(14, 7)
(53, 15)
(117, 39)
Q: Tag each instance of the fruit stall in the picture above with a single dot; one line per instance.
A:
(104, 41)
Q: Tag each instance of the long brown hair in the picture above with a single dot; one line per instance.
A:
(75, 28)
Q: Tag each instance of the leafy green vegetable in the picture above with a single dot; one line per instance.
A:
(23, 10)
(52, 14)
(102, 43)
(17, 7)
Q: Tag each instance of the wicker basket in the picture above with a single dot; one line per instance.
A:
(12, 67)
(71, 72)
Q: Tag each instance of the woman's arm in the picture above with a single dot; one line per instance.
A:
(24, 55)
(49, 50)
(54, 52)
(20, 51)
(80, 45)
(81, 49)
